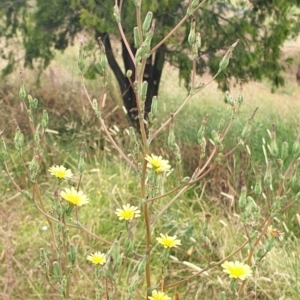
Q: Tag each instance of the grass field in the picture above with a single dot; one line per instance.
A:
(109, 182)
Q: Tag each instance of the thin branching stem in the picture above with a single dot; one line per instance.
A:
(167, 122)
(115, 145)
(175, 28)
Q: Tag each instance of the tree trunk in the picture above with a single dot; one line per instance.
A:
(152, 75)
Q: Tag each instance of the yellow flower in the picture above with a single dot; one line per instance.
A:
(128, 212)
(237, 269)
(60, 172)
(274, 232)
(158, 296)
(168, 241)
(97, 258)
(157, 163)
(74, 197)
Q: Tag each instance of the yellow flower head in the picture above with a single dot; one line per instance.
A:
(128, 212)
(158, 296)
(60, 172)
(168, 241)
(237, 269)
(274, 232)
(74, 197)
(157, 163)
(97, 258)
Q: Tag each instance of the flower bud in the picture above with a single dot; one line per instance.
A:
(33, 168)
(284, 150)
(192, 35)
(141, 266)
(228, 98)
(247, 129)
(154, 106)
(171, 137)
(81, 62)
(72, 254)
(33, 103)
(19, 140)
(258, 186)
(243, 198)
(225, 60)
(129, 73)
(147, 23)
(136, 38)
(296, 148)
(195, 51)
(144, 91)
(198, 40)
(223, 296)
(22, 92)
(268, 175)
(43, 256)
(45, 119)
(56, 271)
(27, 195)
(117, 13)
(95, 108)
(194, 4)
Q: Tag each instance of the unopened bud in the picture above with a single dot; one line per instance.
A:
(192, 35)
(43, 256)
(95, 108)
(225, 60)
(117, 13)
(198, 40)
(45, 119)
(136, 38)
(22, 92)
(72, 254)
(27, 195)
(247, 129)
(171, 137)
(284, 150)
(132, 135)
(240, 98)
(33, 168)
(154, 106)
(228, 98)
(243, 198)
(147, 22)
(56, 271)
(296, 148)
(268, 175)
(141, 266)
(19, 140)
(223, 296)
(129, 73)
(195, 51)
(81, 62)
(144, 91)
(33, 103)
(258, 186)
(195, 3)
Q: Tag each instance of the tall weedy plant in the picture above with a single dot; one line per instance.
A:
(147, 266)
